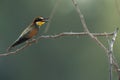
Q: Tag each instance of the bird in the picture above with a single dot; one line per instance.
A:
(30, 31)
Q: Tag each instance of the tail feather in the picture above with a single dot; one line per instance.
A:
(17, 42)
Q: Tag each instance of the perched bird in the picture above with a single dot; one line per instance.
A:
(30, 31)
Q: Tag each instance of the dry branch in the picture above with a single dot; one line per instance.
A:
(108, 52)
(52, 37)
(111, 55)
(85, 26)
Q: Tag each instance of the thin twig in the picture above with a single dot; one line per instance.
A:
(52, 37)
(80, 15)
(51, 15)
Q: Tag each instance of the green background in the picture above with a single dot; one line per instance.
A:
(65, 58)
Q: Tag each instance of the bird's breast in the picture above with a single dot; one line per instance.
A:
(33, 32)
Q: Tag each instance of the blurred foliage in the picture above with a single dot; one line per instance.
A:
(66, 58)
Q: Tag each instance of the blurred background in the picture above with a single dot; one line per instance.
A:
(65, 58)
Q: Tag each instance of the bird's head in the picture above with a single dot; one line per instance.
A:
(39, 21)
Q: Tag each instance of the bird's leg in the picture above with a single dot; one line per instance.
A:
(28, 42)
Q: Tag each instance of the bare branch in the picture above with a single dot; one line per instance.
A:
(108, 52)
(80, 15)
(111, 55)
(112, 58)
(52, 37)
(85, 26)
(16, 51)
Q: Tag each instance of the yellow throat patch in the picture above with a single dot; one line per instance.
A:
(40, 23)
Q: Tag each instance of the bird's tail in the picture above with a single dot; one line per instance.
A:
(9, 48)
(17, 42)
(12, 46)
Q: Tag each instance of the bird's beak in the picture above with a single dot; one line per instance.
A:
(45, 19)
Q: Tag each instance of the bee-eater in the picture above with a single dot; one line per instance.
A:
(30, 31)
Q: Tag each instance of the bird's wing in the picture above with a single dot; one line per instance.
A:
(26, 31)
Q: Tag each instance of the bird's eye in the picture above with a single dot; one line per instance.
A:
(38, 19)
